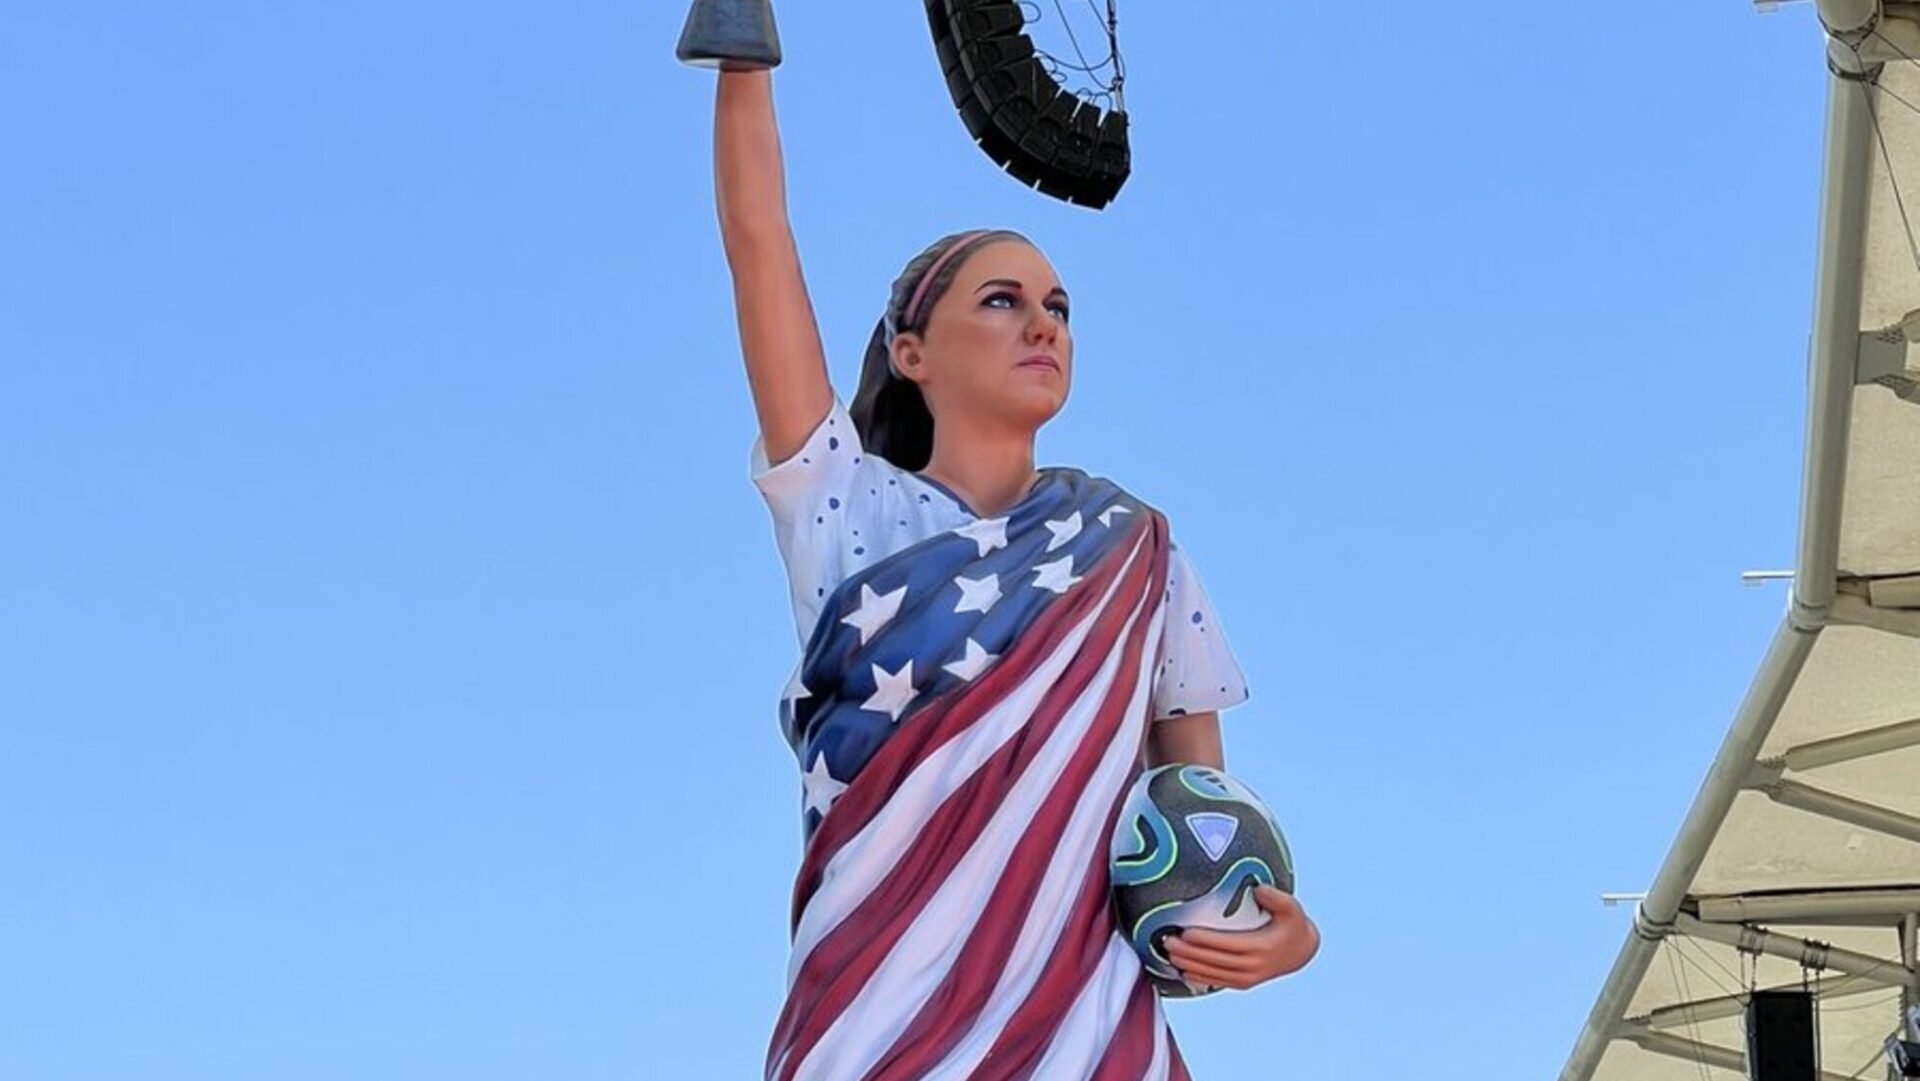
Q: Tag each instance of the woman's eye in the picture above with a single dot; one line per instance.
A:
(1065, 314)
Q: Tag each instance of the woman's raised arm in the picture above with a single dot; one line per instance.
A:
(786, 365)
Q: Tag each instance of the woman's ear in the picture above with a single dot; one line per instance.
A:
(905, 352)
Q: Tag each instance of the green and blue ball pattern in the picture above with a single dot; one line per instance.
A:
(1190, 845)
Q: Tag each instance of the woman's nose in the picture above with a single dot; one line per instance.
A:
(1045, 327)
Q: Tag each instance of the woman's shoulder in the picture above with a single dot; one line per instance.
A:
(1102, 489)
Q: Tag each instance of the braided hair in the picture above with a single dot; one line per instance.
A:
(888, 409)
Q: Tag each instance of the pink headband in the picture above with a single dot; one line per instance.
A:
(926, 280)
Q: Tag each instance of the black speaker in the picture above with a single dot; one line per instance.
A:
(1781, 1041)
(1042, 135)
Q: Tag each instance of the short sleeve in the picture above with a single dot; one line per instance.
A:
(1198, 672)
(808, 496)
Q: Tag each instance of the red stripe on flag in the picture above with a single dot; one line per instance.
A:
(1130, 1052)
(1075, 962)
(846, 958)
(1023, 1041)
(948, 717)
(950, 1014)
(1176, 1065)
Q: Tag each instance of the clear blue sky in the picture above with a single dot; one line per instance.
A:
(390, 637)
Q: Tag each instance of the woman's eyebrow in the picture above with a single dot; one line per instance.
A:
(1016, 285)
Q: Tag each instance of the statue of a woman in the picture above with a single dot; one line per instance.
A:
(991, 653)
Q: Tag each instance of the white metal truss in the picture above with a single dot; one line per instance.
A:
(1814, 822)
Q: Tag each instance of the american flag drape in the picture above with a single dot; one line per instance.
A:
(967, 717)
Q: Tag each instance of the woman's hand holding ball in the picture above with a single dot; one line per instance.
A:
(1245, 959)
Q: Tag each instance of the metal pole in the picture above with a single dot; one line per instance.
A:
(1848, 16)
(1662, 1043)
(1835, 342)
(1910, 956)
(1805, 797)
(1654, 916)
(1722, 1007)
(1880, 970)
(1840, 906)
(1862, 744)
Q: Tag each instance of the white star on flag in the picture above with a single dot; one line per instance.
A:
(977, 594)
(795, 688)
(875, 610)
(1057, 575)
(988, 533)
(894, 691)
(821, 788)
(973, 663)
(1064, 531)
(1106, 516)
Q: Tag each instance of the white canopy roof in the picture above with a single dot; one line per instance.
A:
(1800, 857)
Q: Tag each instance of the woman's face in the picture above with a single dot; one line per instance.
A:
(1005, 305)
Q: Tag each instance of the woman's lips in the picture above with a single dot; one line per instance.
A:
(1040, 362)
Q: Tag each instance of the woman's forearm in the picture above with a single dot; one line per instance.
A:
(749, 185)
(779, 336)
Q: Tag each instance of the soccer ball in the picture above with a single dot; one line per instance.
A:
(1190, 845)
